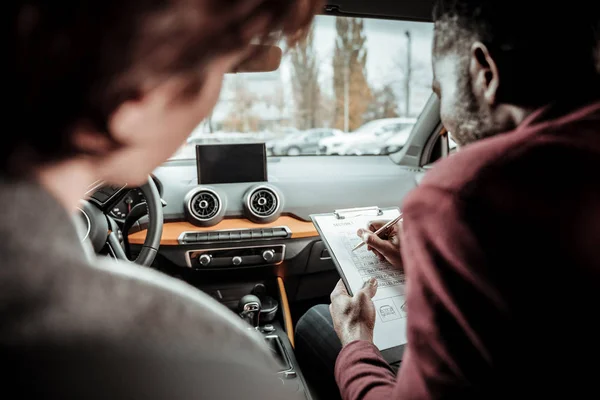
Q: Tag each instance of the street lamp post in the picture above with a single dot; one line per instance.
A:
(346, 92)
(408, 74)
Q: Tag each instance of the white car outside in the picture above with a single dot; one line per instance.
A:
(368, 139)
(396, 142)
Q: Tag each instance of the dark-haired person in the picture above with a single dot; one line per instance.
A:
(501, 242)
(107, 91)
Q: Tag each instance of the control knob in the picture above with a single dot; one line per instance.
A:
(237, 260)
(204, 260)
(268, 255)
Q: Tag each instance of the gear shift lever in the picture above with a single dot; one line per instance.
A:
(249, 310)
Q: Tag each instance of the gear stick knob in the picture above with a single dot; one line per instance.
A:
(249, 310)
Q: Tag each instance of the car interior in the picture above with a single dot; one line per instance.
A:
(235, 222)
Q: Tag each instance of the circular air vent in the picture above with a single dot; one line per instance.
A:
(262, 204)
(204, 207)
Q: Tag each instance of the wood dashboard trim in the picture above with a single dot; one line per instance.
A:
(287, 315)
(173, 230)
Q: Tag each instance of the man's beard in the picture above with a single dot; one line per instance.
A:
(474, 119)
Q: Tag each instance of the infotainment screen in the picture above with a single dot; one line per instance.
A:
(231, 163)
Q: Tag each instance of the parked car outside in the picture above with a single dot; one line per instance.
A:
(278, 135)
(304, 143)
(396, 142)
(369, 139)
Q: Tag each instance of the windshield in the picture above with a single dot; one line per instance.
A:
(350, 75)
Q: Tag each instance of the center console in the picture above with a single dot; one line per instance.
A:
(260, 311)
(289, 374)
(259, 243)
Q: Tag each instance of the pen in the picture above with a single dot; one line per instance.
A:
(381, 230)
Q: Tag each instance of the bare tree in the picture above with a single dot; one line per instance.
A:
(351, 89)
(327, 109)
(384, 104)
(276, 99)
(305, 83)
(241, 118)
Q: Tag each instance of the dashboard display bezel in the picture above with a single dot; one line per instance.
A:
(248, 161)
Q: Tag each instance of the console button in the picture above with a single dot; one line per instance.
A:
(267, 233)
(237, 260)
(204, 260)
(268, 255)
(190, 237)
(234, 235)
(246, 234)
(223, 236)
(280, 233)
(213, 236)
(202, 237)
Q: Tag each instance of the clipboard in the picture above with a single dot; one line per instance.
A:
(391, 354)
(345, 214)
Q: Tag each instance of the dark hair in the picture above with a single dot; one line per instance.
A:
(76, 61)
(543, 50)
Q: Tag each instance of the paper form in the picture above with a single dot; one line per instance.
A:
(360, 265)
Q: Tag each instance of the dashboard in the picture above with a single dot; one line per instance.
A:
(224, 218)
(305, 185)
(223, 233)
(122, 209)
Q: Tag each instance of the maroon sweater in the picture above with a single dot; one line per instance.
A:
(501, 248)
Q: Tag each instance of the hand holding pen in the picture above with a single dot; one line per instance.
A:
(383, 239)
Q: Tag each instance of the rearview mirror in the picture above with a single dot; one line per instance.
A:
(265, 59)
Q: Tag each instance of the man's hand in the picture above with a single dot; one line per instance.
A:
(387, 247)
(353, 317)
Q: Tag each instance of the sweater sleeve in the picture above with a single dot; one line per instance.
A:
(451, 309)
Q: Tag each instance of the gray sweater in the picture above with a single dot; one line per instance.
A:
(50, 293)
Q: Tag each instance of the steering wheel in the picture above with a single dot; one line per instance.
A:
(101, 229)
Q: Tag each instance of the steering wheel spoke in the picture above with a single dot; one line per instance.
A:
(114, 247)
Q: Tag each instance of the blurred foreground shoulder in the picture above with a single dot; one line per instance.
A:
(91, 370)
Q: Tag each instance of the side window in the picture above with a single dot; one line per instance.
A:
(453, 147)
(444, 146)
